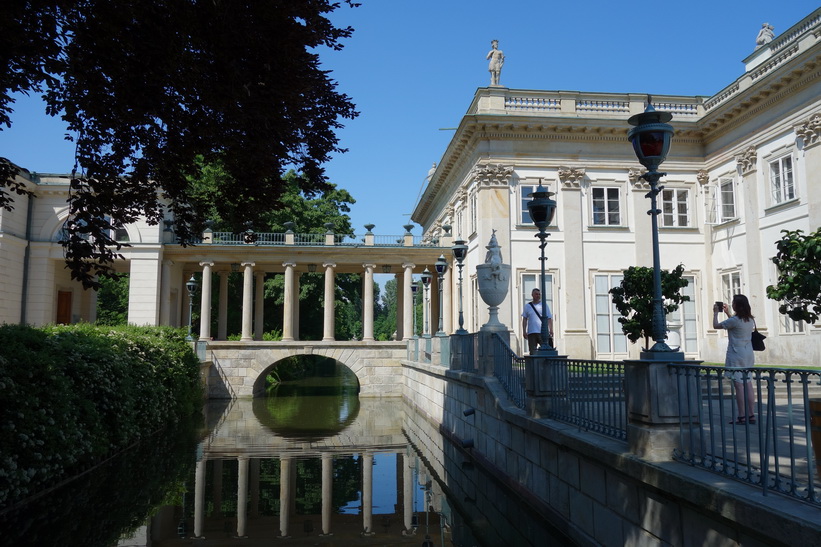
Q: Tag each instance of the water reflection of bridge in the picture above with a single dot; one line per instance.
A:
(240, 440)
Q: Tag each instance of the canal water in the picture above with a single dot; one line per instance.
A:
(311, 464)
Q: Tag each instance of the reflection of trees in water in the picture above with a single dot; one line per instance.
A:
(322, 402)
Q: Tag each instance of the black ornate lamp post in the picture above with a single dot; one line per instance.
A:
(460, 251)
(651, 141)
(542, 209)
(441, 267)
(426, 277)
(414, 290)
(192, 287)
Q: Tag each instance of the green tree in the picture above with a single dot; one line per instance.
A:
(798, 259)
(146, 88)
(633, 299)
(112, 300)
(384, 324)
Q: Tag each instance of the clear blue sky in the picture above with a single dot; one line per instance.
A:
(413, 66)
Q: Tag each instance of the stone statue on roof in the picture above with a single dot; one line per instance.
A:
(497, 59)
(765, 35)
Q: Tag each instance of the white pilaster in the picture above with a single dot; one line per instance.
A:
(367, 303)
(288, 307)
(205, 301)
(407, 301)
(247, 300)
(330, 297)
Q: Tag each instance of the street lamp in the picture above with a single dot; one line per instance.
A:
(542, 209)
(414, 290)
(192, 286)
(441, 267)
(651, 141)
(426, 277)
(460, 251)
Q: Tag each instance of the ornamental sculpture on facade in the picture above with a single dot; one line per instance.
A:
(703, 177)
(571, 177)
(497, 59)
(810, 130)
(746, 160)
(493, 174)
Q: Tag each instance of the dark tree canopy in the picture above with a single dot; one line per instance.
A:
(151, 87)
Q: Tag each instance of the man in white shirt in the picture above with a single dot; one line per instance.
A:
(532, 321)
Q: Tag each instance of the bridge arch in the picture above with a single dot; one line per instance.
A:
(238, 369)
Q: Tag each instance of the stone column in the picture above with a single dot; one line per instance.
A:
(327, 492)
(165, 292)
(205, 301)
(222, 321)
(330, 298)
(447, 298)
(247, 300)
(288, 308)
(407, 301)
(400, 307)
(407, 495)
(809, 132)
(367, 494)
(574, 298)
(199, 498)
(757, 289)
(284, 496)
(259, 305)
(242, 497)
(367, 303)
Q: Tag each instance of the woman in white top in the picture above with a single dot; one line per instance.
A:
(739, 354)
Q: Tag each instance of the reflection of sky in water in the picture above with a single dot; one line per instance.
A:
(384, 489)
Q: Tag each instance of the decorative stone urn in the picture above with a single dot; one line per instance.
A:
(494, 281)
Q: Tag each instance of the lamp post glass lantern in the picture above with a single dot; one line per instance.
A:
(441, 267)
(426, 277)
(542, 209)
(192, 286)
(650, 138)
(460, 251)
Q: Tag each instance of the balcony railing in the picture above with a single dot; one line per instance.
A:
(775, 452)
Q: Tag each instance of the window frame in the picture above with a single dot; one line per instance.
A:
(607, 213)
(675, 214)
(781, 191)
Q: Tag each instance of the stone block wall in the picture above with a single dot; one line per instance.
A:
(590, 487)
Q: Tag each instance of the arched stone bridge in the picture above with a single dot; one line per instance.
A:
(238, 369)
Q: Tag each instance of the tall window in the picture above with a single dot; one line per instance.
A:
(473, 212)
(524, 215)
(609, 337)
(726, 199)
(606, 210)
(781, 180)
(790, 326)
(730, 286)
(675, 210)
(685, 315)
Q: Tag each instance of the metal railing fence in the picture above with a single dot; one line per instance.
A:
(775, 450)
(509, 369)
(589, 394)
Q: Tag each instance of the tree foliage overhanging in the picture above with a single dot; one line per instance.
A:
(798, 260)
(147, 88)
(633, 299)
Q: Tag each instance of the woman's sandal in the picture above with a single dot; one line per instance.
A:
(743, 420)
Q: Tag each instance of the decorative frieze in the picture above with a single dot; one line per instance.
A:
(493, 174)
(571, 177)
(810, 130)
(747, 160)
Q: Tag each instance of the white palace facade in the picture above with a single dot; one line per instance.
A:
(744, 165)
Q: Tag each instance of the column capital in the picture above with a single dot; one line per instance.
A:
(167, 262)
(809, 130)
(252, 264)
(571, 177)
(289, 264)
(747, 160)
(369, 267)
(329, 264)
(207, 264)
(407, 265)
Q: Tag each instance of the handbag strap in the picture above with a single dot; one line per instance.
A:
(539, 315)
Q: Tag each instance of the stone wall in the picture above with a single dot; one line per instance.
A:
(591, 487)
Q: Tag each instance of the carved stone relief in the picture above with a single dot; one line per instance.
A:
(493, 174)
(747, 160)
(571, 177)
(703, 177)
(810, 130)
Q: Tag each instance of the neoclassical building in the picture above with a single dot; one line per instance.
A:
(744, 164)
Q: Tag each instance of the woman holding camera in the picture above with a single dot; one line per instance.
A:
(740, 355)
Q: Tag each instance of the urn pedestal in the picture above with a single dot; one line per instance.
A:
(494, 281)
